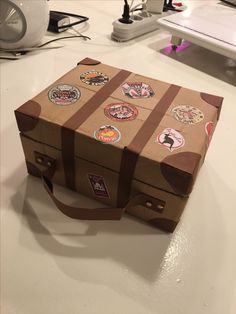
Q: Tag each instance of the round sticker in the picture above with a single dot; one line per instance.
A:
(171, 139)
(137, 90)
(121, 112)
(107, 134)
(187, 114)
(64, 94)
(94, 78)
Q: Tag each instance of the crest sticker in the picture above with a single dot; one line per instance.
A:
(64, 94)
(98, 185)
(171, 139)
(94, 78)
(187, 114)
(137, 90)
(121, 112)
(107, 134)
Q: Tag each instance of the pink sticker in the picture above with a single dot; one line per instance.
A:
(209, 128)
(98, 185)
(137, 90)
(171, 139)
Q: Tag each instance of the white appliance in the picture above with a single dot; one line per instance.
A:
(210, 26)
(23, 23)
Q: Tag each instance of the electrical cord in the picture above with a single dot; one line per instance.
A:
(81, 18)
(131, 4)
(125, 19)
(229, 3)
(168, 6)
(136, 6)
(64, 37)
(19, 52)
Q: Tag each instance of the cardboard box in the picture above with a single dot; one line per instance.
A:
(115, 135)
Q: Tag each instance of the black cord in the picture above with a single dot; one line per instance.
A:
(173, 9)
(125, 16)
(64, 37)
(40, 46)
(81, 18)
(138, 9)
(8, 58)
(229, 3)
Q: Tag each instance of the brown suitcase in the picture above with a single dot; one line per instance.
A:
(132, 142)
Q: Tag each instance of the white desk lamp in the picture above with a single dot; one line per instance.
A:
(23, 23)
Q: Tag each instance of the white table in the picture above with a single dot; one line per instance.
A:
(52, 264)
(212, 26)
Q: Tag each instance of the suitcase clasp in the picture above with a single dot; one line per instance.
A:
(44, 160)
(155, 204)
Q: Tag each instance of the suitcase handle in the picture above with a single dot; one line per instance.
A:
(101, 213)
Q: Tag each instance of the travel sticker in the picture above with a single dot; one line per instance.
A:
(94, 78)
(98, 185)
(187, 114)
(137, 90)
(121, 112)
(171, 139)
(209, 128)
(107, 134)
(64, 94)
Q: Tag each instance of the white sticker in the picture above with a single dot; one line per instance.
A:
(171, 139)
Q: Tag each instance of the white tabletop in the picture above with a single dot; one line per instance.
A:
(52, 264)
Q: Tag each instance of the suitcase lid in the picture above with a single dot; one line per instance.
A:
(143, 128)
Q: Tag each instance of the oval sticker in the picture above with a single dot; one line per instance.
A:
(94, 78)
(121, 112)
(64, 94)
(187, 114)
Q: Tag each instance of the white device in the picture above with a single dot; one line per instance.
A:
(209, 26)
(23, 23)
(141, 23)
(155, 6)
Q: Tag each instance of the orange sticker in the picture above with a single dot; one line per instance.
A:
(107, 134)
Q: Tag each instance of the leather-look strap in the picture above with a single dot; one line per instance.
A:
(99, 213)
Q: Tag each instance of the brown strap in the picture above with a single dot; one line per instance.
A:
(68, 144)
(98, 213)
(131, 152)
(67, 131)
